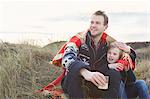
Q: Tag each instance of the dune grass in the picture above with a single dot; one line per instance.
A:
(25, 69)
(143, 64)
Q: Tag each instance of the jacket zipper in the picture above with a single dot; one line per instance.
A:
(99, 60)
(95, 55)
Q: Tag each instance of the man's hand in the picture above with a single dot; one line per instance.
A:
(123, 46)
(116, 66)
(126, 56)
(96, 78)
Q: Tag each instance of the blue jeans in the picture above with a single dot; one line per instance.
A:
(122, 93)
(72, 85)
(138, 88)
(142, 89)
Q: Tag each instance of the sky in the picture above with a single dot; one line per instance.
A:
(45, 21)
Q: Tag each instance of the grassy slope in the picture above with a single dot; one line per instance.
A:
(143, 64)
(25, 68)
(54, 47)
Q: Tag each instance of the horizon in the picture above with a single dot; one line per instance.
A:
(37, 45)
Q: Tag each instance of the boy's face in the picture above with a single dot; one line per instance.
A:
(113, 55)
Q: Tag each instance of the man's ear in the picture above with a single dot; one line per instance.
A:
(106, 26)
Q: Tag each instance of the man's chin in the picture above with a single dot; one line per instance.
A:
(95, 34)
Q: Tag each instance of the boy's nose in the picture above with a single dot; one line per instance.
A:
(111, 56)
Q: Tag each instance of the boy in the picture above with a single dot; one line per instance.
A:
(133, 88)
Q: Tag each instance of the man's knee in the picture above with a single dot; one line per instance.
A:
(72, 86)
(71, 80)
(114, 82)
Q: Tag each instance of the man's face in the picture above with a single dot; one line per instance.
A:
(97, 25)
(113, 55)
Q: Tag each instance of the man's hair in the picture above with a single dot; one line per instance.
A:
(102, 14)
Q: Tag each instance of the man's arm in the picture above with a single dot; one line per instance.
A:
(77, 67)
(70, 60)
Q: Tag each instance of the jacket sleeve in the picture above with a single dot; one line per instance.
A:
(133, 58)
(70, 60)
(128, 77)
(132, 54)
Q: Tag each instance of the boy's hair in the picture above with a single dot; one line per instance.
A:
(115, 46)
(102, 14)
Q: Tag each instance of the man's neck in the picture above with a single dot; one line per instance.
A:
(96, 38)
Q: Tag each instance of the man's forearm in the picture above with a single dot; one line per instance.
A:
(84, 72)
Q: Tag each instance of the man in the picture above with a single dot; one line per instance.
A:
(84, 59)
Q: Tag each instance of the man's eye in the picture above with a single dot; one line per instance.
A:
(97, 22)
(92, 22)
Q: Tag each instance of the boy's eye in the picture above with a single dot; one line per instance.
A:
(115, 54)
(109, 52)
